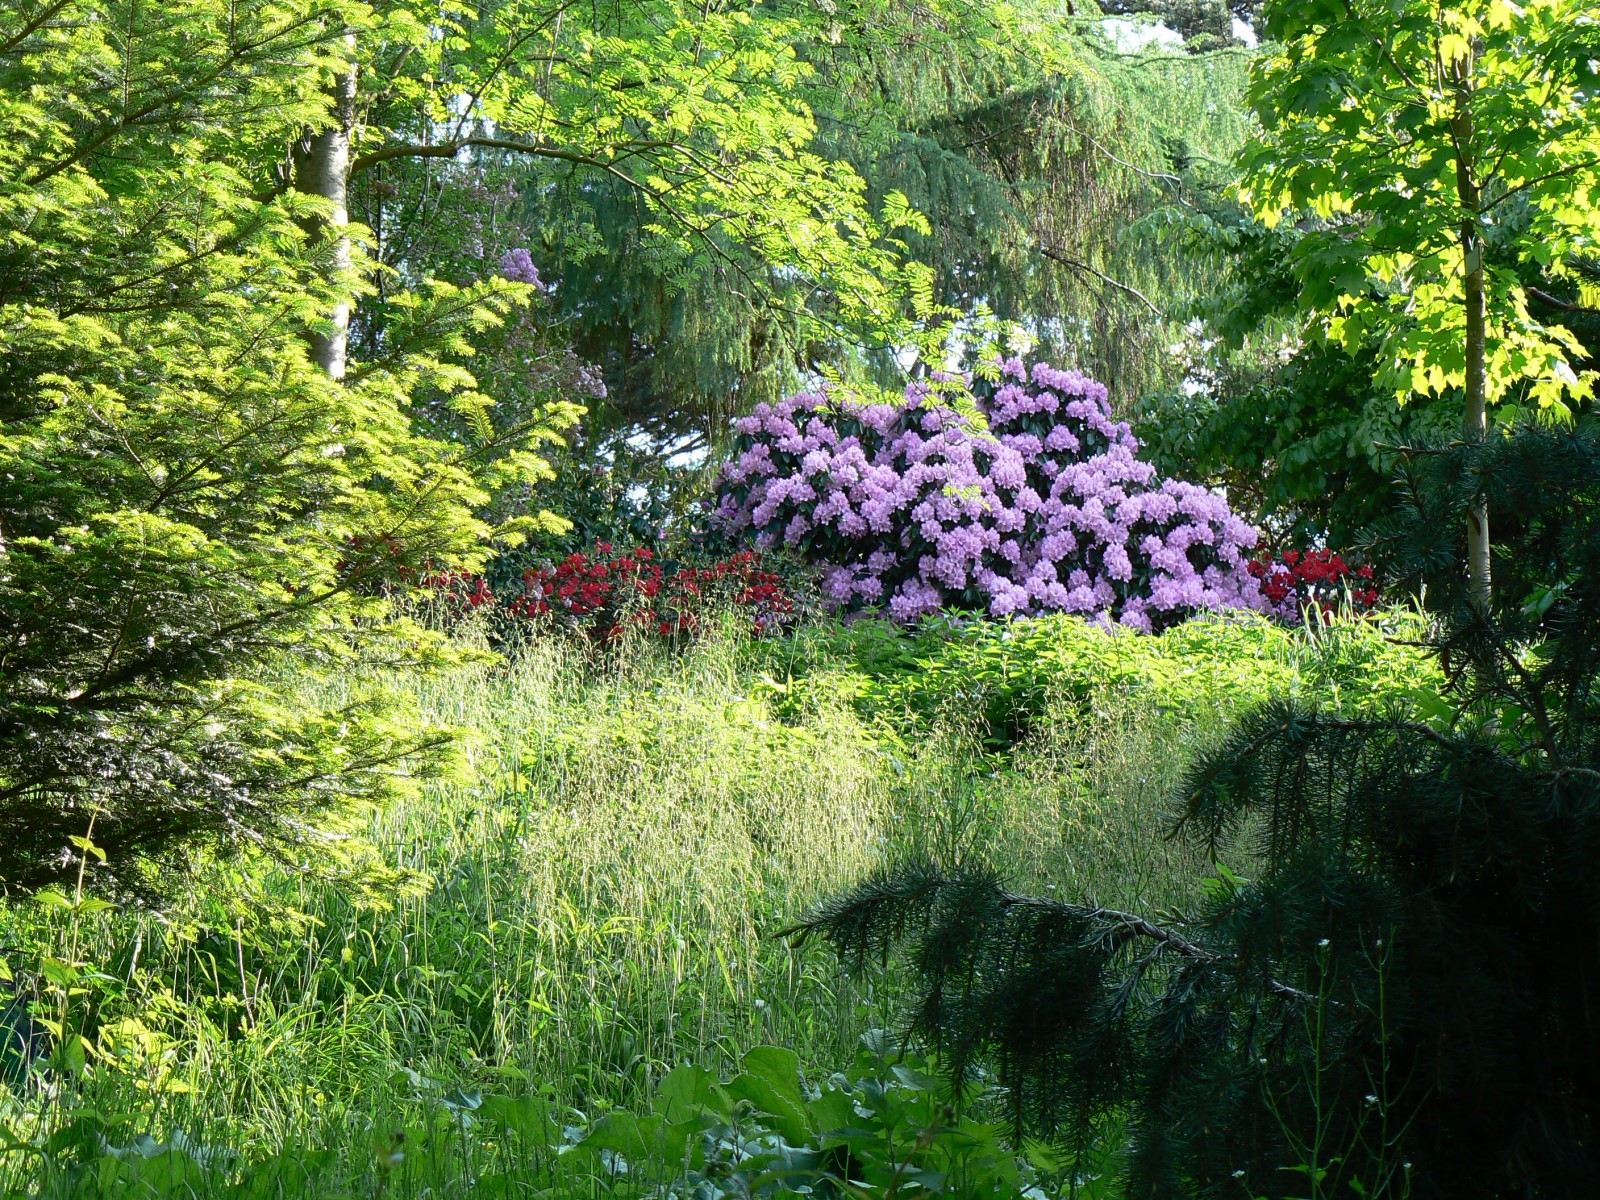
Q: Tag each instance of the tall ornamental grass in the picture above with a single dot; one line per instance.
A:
(594, 908)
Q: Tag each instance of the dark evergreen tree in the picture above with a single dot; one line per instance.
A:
(1403, 999)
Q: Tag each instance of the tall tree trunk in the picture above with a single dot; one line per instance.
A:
(1476, 423)
(322, 168)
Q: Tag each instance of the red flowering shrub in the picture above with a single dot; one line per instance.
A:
(1318, 581)
(377, 564)
(740, 581)
(454, 594)
(602, 589)
(606, 591)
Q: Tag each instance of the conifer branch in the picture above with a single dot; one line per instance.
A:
(1544, 297)
(1078, 265)
(880, 909)
(31, 26)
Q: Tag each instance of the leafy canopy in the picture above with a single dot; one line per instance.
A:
(696, 112)
(1027, 140)
(1406, 131)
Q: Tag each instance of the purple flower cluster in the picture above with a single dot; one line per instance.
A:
(517, 264)
(912, 506)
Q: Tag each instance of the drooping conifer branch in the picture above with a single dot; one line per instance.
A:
(911, 895)
(1409, 972)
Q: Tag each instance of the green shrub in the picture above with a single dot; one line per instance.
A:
(1002, 677)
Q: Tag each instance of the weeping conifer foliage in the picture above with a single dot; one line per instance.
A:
(685, 346)
(1042, 156)
(1053, 195)
(1051, 161)
(1403, 998)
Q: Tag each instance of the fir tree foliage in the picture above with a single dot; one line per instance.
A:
(189, 507)
(1400, 999)
(1047, 193)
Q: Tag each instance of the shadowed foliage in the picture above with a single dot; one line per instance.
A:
(1403, 994)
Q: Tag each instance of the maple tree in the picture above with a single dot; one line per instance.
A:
(1434, 148)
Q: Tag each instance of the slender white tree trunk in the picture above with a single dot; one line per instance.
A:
(322, 168)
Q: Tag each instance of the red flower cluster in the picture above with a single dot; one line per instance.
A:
(603, 591)
(1318, 580)
(451, 588)
(589, 585)
(457, 590)
(738, 580)
(606, 591)
(369, 552)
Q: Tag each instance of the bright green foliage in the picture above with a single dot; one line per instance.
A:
(1425, 141)
(1004, 677)
(1304, 432)
(690, 115)
(185, 498)
(604, 887)
(883, 1127)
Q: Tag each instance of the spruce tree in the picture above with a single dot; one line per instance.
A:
(1401, 1000)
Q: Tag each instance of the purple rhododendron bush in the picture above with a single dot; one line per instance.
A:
(1041, 504)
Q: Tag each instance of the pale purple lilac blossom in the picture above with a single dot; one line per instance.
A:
(517, 264)
(912, 507)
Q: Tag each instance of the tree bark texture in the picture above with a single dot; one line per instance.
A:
(322, 168)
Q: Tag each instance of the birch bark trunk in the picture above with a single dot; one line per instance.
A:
(322, 168)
